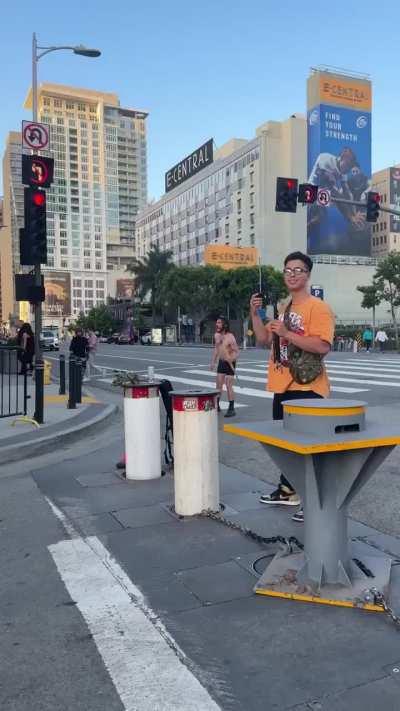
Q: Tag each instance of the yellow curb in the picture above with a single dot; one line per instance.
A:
(54, 399)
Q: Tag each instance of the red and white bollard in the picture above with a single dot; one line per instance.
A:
(196, 469)
(142, 431)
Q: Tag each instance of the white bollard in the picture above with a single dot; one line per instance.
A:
(355, 346)
(196, 468)
(142, 431)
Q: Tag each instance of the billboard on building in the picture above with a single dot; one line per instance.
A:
(125, 288)
(58, 294)
(339, 159)
(395, 198)
(220, 255)
(189, 166)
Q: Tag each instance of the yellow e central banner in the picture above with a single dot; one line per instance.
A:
(351, 93)
(219, 255)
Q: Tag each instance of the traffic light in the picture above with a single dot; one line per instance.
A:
(33, 238)
(307, 193)
(286, 195)
(373, 205)
(37, 171)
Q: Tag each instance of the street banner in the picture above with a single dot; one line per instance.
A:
(220, 255)
(58, 294)
(125, 288)
(395, 198)
(339, 161)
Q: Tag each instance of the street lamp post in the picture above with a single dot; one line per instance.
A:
(39, 365)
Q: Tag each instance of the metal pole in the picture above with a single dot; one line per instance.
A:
(78, 379)
(72, 383)
(357, 203)
(39, 365)
(62, 375)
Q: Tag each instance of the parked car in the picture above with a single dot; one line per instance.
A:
(49, 341)
(103, 339)
(145, 338)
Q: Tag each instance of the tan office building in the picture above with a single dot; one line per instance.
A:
(385, 233)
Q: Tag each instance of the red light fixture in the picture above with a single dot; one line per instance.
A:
(39, 199)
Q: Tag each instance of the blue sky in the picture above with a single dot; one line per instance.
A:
(212, 68)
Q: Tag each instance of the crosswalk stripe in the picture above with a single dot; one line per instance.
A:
(252, 392)
(380, 361)
(253, 379)
(357, 372)
(364, 368)
(366, 382)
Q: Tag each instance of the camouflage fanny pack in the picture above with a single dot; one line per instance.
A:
(304, 367)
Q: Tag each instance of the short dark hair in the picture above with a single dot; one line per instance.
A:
(302, 257)
(225, 323)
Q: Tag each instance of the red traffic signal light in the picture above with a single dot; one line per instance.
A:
(286, 195)
(33, 242)
(373, 205)
(307, 193)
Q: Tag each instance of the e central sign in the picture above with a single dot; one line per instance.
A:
(189, 166)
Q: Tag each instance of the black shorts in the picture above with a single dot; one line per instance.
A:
(225, 368)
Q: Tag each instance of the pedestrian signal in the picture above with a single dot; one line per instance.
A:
(37, 171)
(307, 193)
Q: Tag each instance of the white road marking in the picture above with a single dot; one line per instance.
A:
(150, 360)
(366, 382)
(252, 392)
(336, 371)
(371, 367)
(253, 379)
(148, 669)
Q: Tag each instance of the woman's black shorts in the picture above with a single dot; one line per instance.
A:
(225, 368)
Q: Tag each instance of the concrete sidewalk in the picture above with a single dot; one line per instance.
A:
(251, 653)
(20, 437)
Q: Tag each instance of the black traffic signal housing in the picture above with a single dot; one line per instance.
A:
(33, 238)
(373, 205)
(286, 195)
(307, 193)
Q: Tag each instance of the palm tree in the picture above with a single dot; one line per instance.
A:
(148, 273)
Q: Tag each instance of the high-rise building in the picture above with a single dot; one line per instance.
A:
(100, 183)
(385, 235)
(13, 220)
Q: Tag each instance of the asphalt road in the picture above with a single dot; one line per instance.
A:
(373, 378)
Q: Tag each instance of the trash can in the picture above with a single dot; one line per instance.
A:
(47, 372)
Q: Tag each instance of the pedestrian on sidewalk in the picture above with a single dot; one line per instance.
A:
(79, 347)
(306, 323)
(367, 339)
(381, 338)
(92, 341)
(225, 354)
(26, 344)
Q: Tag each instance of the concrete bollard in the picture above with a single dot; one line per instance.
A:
(196, 469)
(142, 431)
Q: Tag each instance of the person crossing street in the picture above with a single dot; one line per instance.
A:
(225, 354)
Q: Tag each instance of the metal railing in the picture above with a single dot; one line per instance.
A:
(13, 384)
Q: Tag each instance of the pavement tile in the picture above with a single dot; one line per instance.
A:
(244, 501)
(218, 583)
(380, 694)
(142, 516)
(99, 479)
(97, 525)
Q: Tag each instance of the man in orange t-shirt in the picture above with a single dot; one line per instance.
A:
(311, 329)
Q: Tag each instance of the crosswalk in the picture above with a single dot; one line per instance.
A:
(349, 376)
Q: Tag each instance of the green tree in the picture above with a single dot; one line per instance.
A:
(387, 279)
(194, 290)
(148, 273)
(371, 299)
(99, 319)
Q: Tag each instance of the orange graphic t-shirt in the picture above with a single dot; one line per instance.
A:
(312, 317)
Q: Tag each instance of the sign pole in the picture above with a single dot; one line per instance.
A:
(39, 365)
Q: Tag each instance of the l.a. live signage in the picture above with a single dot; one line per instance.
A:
(189, 166)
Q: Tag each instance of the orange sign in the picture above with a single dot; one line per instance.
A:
(219, 255)
(352, 94)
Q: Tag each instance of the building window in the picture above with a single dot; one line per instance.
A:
(239, 223)
(252, 239)
(251, 199)
(252, 219)
(252, 179)
(239, 204)
(227, 228)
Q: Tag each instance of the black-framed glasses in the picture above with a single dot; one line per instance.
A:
(297, 271)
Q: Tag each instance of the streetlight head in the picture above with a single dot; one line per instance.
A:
(86, 51)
